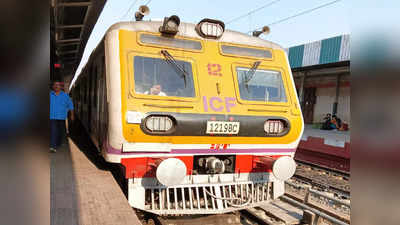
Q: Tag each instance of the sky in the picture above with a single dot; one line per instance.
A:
(329, 21)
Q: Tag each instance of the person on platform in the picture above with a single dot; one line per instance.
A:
(336, 123)
(326, 124)
(60, 104)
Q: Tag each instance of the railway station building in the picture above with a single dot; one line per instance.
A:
(321, 70)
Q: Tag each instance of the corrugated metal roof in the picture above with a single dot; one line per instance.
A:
(311, 53)
(345, 48)
(296, 56)
(331, 50)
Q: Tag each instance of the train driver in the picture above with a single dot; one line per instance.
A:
(155, 90)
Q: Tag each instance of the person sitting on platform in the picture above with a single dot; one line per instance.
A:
(336, 123)
(326, 125)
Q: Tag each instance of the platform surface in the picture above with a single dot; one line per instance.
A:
(83, 193)
(333, 135)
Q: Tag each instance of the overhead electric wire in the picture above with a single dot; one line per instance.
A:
(129, 9)
(252, 11)
(298, 14)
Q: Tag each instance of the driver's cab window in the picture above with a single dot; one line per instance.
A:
(155, 76)
(261, 85)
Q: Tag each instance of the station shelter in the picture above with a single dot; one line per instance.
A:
(321, 71)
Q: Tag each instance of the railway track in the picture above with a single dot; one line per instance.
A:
(323, 179)
(281, 212)
(315, 195)
(313, 207)
(331, 171)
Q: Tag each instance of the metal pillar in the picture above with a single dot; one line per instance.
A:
(335, 103)
(301, 91)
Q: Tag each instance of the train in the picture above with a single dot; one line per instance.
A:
(202, 120)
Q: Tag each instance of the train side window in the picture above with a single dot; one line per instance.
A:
(80, 92)
(263, 85)
(85, 92)
(154, 73)
(94, 86)
(77, 92)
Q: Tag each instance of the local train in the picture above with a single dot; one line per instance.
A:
(202, 120)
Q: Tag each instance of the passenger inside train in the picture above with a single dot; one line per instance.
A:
(261, 85)
(155, 90)
(176, 77)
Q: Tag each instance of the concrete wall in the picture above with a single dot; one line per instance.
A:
(324, 103)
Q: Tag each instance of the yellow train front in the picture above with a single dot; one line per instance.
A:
(204, 120)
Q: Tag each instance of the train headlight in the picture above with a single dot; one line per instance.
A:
(159, 123)
(171, 172)
(274, 126)
(283, 167)
(210, 28)
(170, 25)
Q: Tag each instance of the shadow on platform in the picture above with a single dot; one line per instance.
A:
(83, 186)
(82, 140)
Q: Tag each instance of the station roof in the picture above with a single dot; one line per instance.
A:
(335, 50)
(72, 22)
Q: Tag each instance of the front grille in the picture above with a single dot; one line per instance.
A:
(206, 199)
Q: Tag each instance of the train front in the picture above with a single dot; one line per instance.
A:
(209, 119)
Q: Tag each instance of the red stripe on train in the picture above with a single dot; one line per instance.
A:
(147, 166)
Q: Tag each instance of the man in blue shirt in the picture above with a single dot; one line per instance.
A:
(60, 104)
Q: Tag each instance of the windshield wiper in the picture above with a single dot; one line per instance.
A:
(250, 74)
(171, 60)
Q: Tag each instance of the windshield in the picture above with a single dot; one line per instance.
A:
(154, 76)
(264, 85)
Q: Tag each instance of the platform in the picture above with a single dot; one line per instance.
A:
(327, 148)
(332, 137)
(84, 192)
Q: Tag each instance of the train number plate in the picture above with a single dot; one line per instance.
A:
(222, 127)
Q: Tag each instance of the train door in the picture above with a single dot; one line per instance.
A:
(75, 94)
(93, 101)
(90, 99)
(85, 102)
(102, 121)
(80, 105)
(78, 100)
(95, 98)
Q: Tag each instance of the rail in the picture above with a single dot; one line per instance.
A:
(318, 194)
(323, 205)
(317, 212)
(324, 179)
